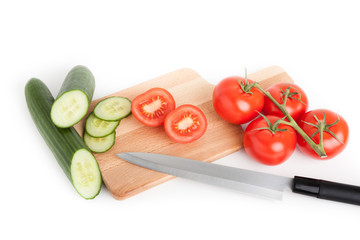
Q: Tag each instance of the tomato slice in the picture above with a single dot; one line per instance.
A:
(185, 124)
(151, 107)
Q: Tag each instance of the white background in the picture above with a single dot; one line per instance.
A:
(128, 42)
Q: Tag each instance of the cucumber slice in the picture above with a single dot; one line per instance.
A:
(113, 108)
(73, 100)
(99, 145)
(69, 149)
(85, 175)
(97, 127)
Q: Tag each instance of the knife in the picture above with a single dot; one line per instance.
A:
(248, 181)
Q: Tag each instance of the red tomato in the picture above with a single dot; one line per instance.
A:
(267, 147)
(185, 124)
(152, 106)
(296, 103)
(235, 105)
(335, 124)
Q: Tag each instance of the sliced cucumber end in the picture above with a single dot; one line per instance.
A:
(85, 174)
(99, 145)
(69, 108)
(113, 108)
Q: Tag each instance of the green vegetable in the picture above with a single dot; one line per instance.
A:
(97, 127)
(73, 100)
(77, 162)
(99, 145)
(113, 108)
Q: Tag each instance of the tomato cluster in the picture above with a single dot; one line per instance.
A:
(284, 122)
(156, 107)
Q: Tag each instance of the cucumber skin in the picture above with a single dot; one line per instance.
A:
(79, 78)
(63, 142)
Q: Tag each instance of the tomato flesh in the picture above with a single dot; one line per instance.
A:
(151, 107)
(185, 124)
(154, 107)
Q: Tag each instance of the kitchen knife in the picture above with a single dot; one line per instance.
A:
(248, 181)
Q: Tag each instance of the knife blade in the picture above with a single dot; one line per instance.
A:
(248, 181)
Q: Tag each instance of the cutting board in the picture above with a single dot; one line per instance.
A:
(221, 138)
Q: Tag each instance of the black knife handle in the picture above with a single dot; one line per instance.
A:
(327, 190)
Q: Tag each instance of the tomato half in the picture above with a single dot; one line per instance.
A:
(296, 103)
(337, 126)
(151, 107)
(235, 105)
(185, 124)
(266, 146)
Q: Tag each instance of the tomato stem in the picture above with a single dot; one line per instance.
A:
(318, 148)
(272, 127)
(286, 95)
(245, 86)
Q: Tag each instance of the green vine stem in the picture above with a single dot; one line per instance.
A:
(318, 148)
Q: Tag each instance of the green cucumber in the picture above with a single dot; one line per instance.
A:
(99, 145)
(70, 151)
(73, 100)
(113, 108)
(97, 127)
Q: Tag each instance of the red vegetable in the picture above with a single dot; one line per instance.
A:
(185, 124)
(151, 107)
(236, 100)
(335, 134)
(296, 100)
(269, 141)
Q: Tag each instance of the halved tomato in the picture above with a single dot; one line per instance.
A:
(185, 124)
(151, 107)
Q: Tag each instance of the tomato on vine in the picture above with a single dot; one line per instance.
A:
(269, 141)
(327, 129)
(321, 133)
(295, 99)
(236, 100)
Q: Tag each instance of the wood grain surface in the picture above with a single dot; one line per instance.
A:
(187, 86)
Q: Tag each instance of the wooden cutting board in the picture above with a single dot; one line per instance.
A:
(221, 138)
